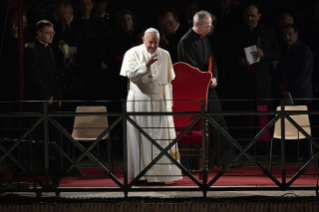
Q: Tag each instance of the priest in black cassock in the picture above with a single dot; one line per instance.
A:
(194, 49)
(41, 85)
(41, 81)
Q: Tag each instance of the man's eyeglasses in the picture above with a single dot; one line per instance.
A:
(207, 27)
(49, 33)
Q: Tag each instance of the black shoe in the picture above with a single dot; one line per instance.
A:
(57, 184)
(140, 182)
(235, 165)
(154, 183)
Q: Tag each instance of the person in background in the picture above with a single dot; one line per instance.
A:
(252, 81)
(10, 74)
(194, 49)
(293, 76)
(294, 69)
(127, 35)
(172, 32)
(94, 50)
(282, 21)
(190, 7)
(101, 10)
(41, 81)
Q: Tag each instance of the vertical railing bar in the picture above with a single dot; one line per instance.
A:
(124, 125)
(283, 151)
(204, 169)
(46, 143)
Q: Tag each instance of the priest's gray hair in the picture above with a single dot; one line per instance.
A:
(199, 17)
(152, 30)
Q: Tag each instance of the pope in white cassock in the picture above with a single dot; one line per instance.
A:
(150, 71)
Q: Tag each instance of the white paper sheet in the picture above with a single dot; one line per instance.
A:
(71, 50)
(249, 54)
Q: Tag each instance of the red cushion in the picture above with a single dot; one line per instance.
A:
(191, 137)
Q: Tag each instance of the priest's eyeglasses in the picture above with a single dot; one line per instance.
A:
(207, 27)
(49, 33)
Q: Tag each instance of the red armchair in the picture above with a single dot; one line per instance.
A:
(189, 88)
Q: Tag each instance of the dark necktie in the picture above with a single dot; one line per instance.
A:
(48, 51)
(224, 15)
(66, 31)
(47, 48)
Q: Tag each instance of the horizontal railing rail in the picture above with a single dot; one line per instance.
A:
(46, 119)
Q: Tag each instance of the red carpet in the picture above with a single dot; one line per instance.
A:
(239, 177)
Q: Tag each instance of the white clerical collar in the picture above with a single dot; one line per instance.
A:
(45, 44)
(254, 26)
(85, 17)
(176, 28)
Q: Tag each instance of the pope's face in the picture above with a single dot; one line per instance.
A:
(150, 41)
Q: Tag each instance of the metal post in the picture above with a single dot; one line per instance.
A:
(283, 151)
(124, 121)
(20, 42)
(21, 67)
(205, 171)
(46, 142)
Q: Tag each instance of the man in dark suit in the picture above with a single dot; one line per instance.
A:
(294, 69)
(41, 83)
(9, 74)
(69, 31)
(91, 53)
(282, 21)
(78, 33)
(101, 10)
(293, 75)
(41, 80)
(190, 7)
(252, 81)
(172, 31)
(91, 22)
(194, 49)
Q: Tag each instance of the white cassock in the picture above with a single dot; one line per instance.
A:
(150, 93)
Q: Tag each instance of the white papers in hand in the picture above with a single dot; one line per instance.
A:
(71, 50)
(64, 49)
(249, 54)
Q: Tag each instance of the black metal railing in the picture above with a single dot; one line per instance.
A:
(45, 118)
